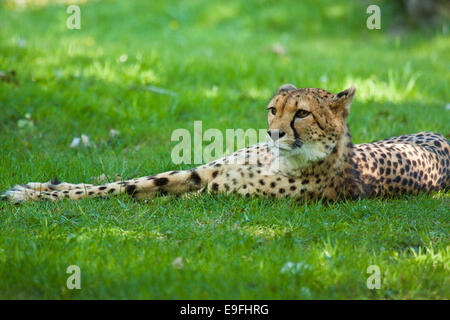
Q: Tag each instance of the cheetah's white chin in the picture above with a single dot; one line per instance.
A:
(304, 155)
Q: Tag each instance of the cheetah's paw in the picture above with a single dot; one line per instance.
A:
(17, 194)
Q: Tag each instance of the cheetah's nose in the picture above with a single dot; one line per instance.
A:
(276, 134)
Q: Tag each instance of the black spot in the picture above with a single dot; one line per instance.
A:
(102, 188)
(215, 186)
(437, 144)
(130, 189)
(282, 190)
(273, 184)
(161, 181)
(261, 182)
(195, 178)
(55, 181)
(215, 173)
(111, 191)
(78, 192)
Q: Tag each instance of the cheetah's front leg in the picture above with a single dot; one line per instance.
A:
(172, 182)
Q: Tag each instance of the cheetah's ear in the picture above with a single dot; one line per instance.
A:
(343, 100)
(286, 87)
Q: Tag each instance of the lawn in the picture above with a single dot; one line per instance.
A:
(220, 61)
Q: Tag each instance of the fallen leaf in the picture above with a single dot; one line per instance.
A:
(24, 123)
(278, 49)
(178, 263)
(85, 140)
(113, 133)
(123, 58)
(75, 142)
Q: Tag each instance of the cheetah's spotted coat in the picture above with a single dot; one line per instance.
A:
(309, 156)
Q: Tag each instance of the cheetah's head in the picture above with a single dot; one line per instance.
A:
(307, 123)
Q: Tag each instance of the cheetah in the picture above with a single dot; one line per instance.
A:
(309, 156)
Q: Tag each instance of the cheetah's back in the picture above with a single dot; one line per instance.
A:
(405, 164)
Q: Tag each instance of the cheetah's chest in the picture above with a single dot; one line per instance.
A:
(256, 172)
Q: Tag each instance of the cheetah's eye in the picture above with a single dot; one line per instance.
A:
(302, 114)
(272, 110)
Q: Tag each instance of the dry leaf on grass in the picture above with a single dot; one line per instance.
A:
(178, 263)
(278, 49)
(77, 141)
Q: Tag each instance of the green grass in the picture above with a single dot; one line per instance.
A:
(217, 57)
